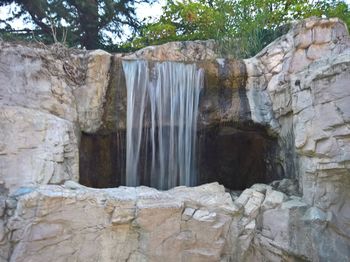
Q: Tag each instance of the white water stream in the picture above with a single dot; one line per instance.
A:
(162, 109)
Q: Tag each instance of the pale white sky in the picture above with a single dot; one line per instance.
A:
(145, 10)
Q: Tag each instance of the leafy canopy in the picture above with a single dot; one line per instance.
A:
(243, 27)
(85, 23)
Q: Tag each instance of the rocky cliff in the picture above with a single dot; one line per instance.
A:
(298, 86)
(296, 89)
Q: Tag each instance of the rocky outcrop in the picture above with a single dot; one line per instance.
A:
(276, 227)
(271, 83)
(296, 90)
(298, 86)
(91, 95)
(269, 72)
(36, 148)
(321, 127)
(72, 222)
(178, 51)
(48, 96)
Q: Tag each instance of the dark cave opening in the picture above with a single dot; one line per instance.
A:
(236, 156)
(102, 160)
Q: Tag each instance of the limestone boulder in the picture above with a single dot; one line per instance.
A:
(268, 87)
(306, 94)
(70, 84)
(36, 148)
(298, 86)
(72, 222)
(34, 77)
(275, 227)
(91, 96)
(48, 95)
(322, 130)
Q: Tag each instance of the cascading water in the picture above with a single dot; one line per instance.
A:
(162, 108)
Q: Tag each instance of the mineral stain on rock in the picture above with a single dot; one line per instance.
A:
(231, 149)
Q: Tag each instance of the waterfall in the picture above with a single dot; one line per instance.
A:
(162, 109)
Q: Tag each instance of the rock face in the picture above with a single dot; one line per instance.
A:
(299, 86)
(36, 148)
(280, 228)
(296, 89)
(48, 96)
(122, 224)
(178, 51)
(275, 93)
(91, 94)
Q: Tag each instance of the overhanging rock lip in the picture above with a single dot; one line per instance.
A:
(211, 196)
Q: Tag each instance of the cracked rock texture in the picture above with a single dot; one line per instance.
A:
(75, 223)
(297, 88)
(48, 95)
(178, 51)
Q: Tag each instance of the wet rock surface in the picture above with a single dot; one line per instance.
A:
(223, 104)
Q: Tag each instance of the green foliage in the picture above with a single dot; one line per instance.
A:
(81, 23)
(242, 27)
(186, 20)
(332, 8)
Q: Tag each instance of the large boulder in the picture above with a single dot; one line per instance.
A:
(49, 95)
(178, 51)
(36, 148)
(72, 222)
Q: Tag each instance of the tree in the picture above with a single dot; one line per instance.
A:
(83, 22)
(186, 20)
(259, 22)
(242, 27)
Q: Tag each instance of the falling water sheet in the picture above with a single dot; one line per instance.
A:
(162, 109)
